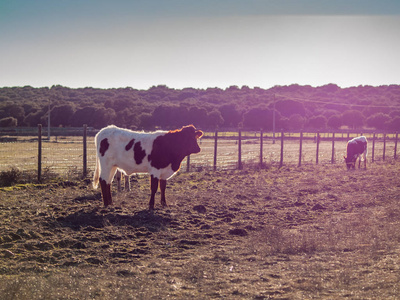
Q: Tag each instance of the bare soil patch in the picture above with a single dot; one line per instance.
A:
(314, 232)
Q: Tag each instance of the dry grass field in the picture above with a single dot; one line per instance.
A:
(64, 156)
(309, 232)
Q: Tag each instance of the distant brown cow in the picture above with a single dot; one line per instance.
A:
(356, 148)
(158, 153)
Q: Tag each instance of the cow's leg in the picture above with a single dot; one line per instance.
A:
(154, 188)
(127, 183)
(163, 186)
(109, 196)
(106, 178)
(118, 177)
(359, 162)
(106, 192)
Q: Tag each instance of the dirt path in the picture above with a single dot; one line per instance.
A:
(294, 233)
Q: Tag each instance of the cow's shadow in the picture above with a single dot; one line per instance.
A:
(97, 219)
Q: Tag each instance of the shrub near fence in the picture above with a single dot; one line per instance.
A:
(71, 151)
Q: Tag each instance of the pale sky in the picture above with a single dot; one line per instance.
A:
(200, 44)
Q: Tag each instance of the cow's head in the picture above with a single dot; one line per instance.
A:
(190, 136)
(350, 162)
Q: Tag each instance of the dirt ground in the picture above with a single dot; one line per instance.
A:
(310, 232)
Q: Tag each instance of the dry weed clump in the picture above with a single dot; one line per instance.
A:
(9, 177)
(273, 240)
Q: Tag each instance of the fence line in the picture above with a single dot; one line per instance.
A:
(53, 154)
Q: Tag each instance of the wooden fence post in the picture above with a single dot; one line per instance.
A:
(373, 147)
(316, 158)
(240, 150)
(301, 147)
(215, 149)
(188, 164)
(39, 173)
(261, 148)
(281, 162)
(333, 148)
(395, 145)
(84, 151)
(384, 146)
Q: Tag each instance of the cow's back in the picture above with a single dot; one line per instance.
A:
(126, 149)
(358, 145)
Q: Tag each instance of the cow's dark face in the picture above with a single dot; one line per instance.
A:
(350, 162)
(191, 135)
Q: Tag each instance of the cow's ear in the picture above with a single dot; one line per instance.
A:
(198, 134)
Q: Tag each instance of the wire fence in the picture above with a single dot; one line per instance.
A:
(71, 151)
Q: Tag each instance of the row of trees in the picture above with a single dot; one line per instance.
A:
(292, 107)
(351, 119)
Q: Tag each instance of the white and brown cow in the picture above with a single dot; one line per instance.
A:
(356, 148)
(158, 153)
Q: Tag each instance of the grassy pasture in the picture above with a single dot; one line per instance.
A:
(309, 232)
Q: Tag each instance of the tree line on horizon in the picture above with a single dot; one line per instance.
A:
(296, 107)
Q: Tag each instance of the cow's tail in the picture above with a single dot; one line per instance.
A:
(96, 174)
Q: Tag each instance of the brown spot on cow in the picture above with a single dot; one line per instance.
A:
(139, 153)
(173, 147)
(129, 145)
(104, 147)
